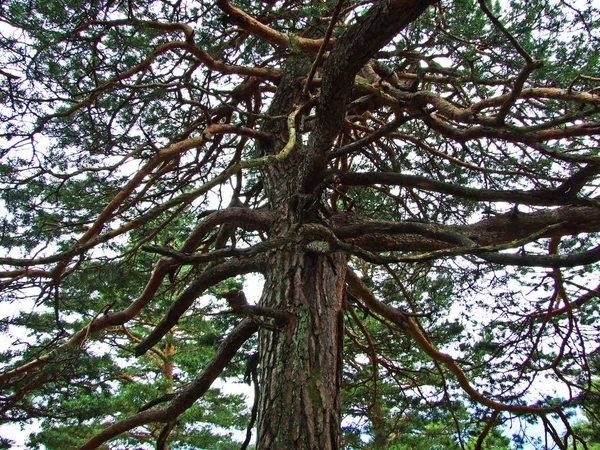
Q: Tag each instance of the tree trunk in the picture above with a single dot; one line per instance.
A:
(300, 365)
(300, 372)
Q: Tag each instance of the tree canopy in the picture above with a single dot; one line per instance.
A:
(408, 187)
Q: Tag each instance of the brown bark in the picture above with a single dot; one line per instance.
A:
(301, 364)
(349, 54)
(414, 236)
(564, 194)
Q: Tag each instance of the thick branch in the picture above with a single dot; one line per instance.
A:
(186, 398)
(551, 197)
(257, 28)
(207, 279)
(350, 52)
(248, 219)
(392, 236)
(550, 261)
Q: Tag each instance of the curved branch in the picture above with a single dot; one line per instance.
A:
(435, 232)
(186, 398)
(466, 247)
(187, 258)
(512, 134)
(253, 26)
(497, 230)
(189, 45)
(406, 323)
(264, 73)
(162, 268)
(577, 303)
(552, 197)
(516, 90)
(376, 134)
(486, 429)
(550, 261)
(248, 219)
(100, 323)
(205, 58)
(207, 279)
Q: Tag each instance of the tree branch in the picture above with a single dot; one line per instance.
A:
(550, 261)
(377, 27)
(563, 195)
(253, 26)
(406, 323)
(390, 236)
(186, 398)
(207, 279)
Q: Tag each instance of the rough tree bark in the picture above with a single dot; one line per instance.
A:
(300, 369)
(301, 364)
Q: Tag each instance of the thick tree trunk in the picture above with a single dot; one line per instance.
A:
(301, 364)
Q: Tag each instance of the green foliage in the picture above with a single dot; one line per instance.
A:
(94, 94)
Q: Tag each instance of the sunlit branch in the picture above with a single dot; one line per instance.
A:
(472, 114)
(190, 45)
(548, 93)
(204, 57)
(270, 35)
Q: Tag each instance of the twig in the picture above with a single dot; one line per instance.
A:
(318, 59)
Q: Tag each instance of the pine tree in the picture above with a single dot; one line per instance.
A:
(413, 180)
